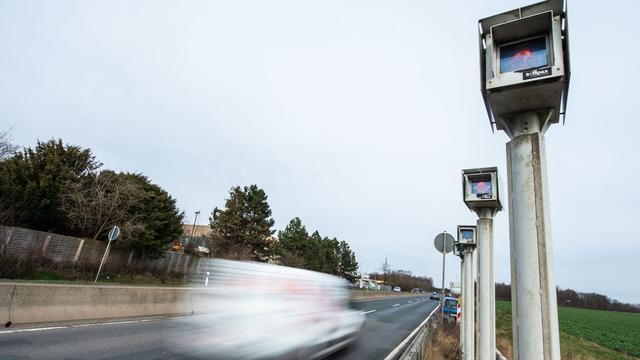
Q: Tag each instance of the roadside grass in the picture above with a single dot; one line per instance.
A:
(584, 333)
(39, 269)
(444, 343)
(47, 276)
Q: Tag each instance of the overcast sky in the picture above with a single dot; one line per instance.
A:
(356, 116)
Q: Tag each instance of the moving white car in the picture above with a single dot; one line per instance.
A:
(262, 311)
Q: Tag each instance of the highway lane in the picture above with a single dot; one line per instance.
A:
(389, 321)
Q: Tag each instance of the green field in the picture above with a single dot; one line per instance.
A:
(586, 333)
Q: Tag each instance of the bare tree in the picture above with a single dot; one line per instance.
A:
(7, 148)
(98, 202)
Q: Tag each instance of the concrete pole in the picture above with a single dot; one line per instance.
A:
(533, 293)
(468, 307)
(486, 287)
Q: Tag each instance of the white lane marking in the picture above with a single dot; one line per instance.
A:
(368, 312)
(396, 305)
(75, 326)
(409, 302)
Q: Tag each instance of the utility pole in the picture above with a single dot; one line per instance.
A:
(481, 193)
(386, 269)
(195, 221)
(524, 96)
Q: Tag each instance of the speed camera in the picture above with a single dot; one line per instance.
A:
(524, 63)
(466, 235)
(480, 188)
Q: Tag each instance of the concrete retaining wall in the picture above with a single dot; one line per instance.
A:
(20, 243)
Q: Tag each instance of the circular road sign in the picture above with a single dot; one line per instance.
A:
(114, 233)
(443, 242)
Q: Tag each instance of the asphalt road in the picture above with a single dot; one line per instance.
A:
(388, 322)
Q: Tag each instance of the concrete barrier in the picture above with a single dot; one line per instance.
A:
(30, 303)
(22, 303)
(6, 293)
(365, 294)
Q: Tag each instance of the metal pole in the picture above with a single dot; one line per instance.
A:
(486, 286)
(193, 229)
(104, 258)
(533, 293)
(463, 279)
(468, 307)
(444, 253)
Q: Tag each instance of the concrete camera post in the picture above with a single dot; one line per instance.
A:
(524, 70)
(481, 194)
(466, 243)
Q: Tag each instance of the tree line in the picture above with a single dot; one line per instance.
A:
(404, 279)
(243, 230)
(572, 298)
(62, 188)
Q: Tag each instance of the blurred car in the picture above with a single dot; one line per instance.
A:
(434, 296)
(397, 289)
(263, 311)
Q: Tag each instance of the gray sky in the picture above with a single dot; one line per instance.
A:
(356, 116)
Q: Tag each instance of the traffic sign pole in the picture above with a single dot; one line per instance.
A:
(443, 243)
(113, 234)
(444, 258)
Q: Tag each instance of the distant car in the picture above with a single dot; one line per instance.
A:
(202, 251)
(397, 289)
(434, 296)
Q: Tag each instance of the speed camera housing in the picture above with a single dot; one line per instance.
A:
(481, 189)
(466, 235)
(524, 63)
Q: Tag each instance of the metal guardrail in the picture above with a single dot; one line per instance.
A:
(412, 348)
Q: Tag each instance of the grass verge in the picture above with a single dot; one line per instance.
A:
(444, 343)
(584, 334)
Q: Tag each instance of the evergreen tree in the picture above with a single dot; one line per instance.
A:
(348, 263)
(313, 256)
(31, 184)
(244, 225)
(155, 219)
(293, 244)
(330, 252)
